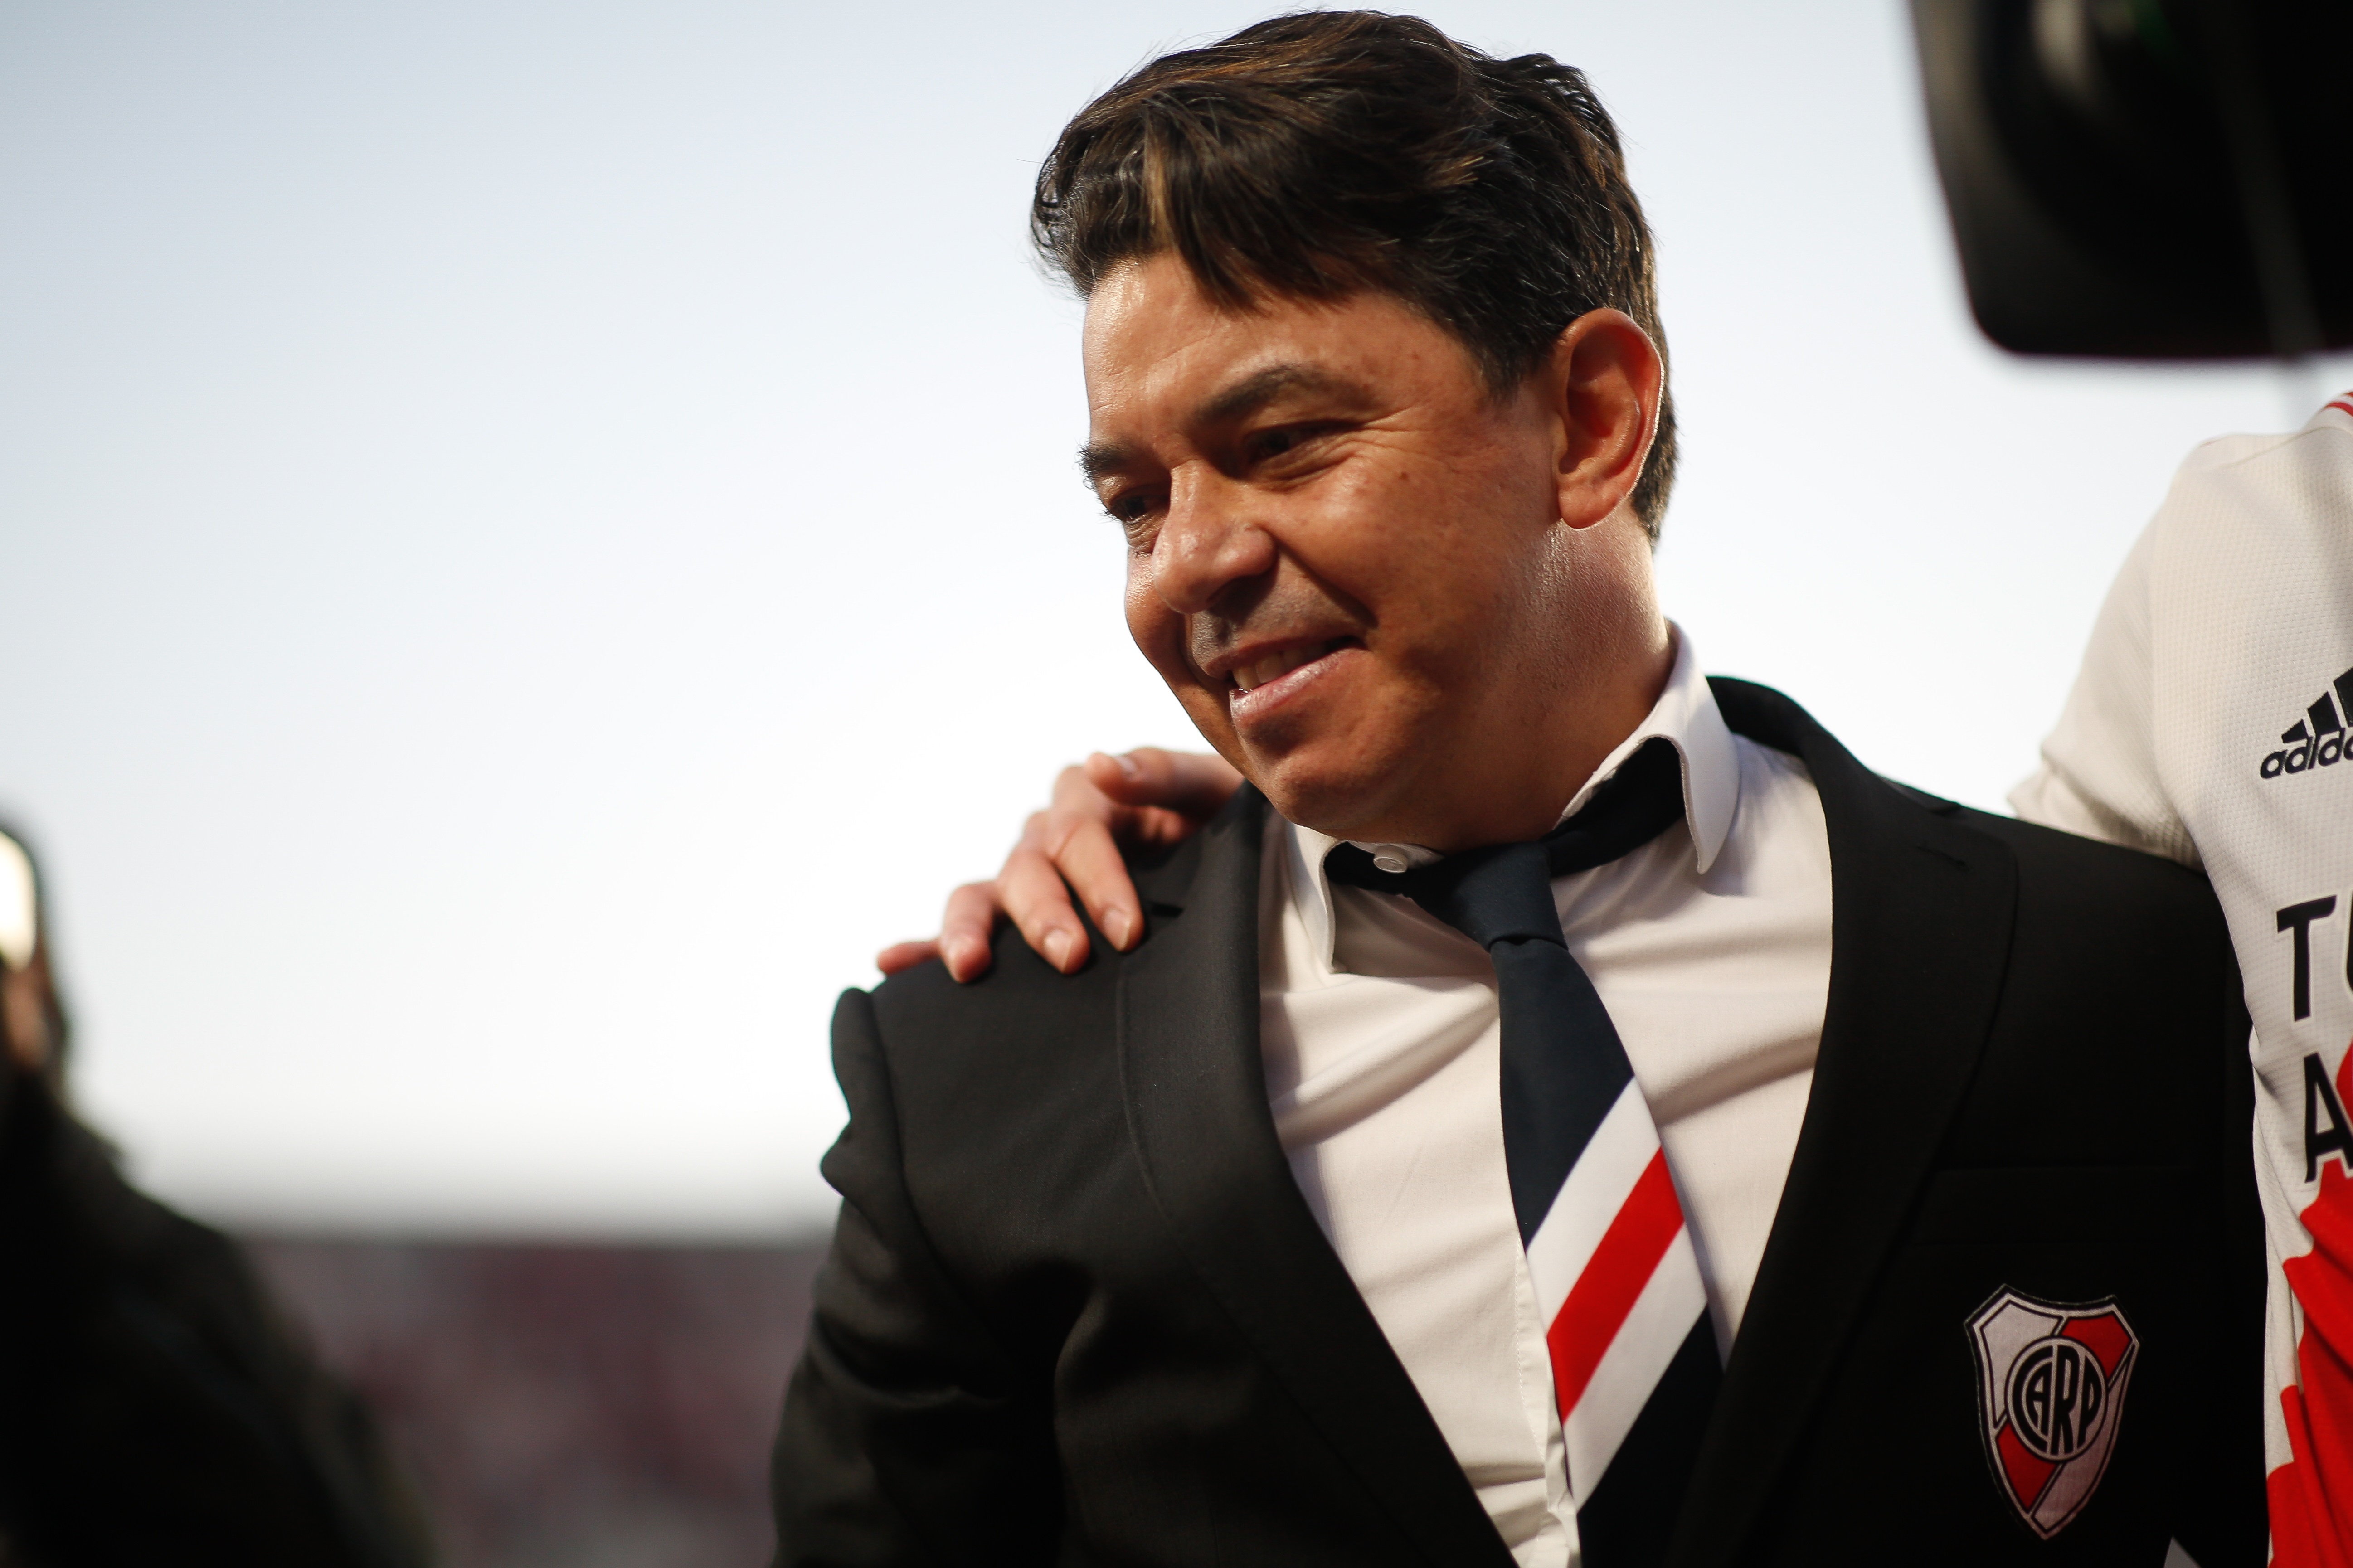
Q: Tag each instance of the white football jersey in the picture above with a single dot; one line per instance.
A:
(2210, 723)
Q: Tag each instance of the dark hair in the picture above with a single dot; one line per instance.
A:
(1319, 155)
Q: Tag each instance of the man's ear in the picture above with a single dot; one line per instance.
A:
(1603, 383)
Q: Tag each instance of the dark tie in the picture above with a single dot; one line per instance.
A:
(1633, 1356)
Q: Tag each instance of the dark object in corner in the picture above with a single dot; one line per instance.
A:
(153, 1407)
(2147, 179)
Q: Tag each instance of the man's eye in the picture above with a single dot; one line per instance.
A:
(1131, 509)
(1282, 440)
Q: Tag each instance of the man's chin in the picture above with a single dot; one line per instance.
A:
(1337, 783)
(1340, 801)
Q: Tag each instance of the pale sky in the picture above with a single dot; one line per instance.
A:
(534, 538)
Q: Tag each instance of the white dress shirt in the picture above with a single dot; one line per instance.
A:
(1710, 947)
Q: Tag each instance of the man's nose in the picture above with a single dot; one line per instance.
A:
(1207, 542)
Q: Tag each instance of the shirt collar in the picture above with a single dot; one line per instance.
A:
(1685, 716)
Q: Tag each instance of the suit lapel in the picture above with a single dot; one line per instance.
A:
(1197, 1112)
(1922, 908)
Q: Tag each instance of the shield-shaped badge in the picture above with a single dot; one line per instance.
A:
(2051, 1386)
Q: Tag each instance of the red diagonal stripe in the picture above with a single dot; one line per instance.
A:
(1597, 1303)
(2340, 403)
(2103, 1336)
(2028, 1475)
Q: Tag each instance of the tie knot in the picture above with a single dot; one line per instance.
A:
(1503, 892)
(1498, 894)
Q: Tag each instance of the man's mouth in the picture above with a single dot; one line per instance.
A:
(1274, 666)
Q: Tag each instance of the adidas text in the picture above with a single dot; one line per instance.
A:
(2316, 739)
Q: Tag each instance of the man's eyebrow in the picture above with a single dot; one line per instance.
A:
(1097, 459)
(1257, 390)
(1246, 396)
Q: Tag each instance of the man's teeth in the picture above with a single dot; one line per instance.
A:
(1275, 666)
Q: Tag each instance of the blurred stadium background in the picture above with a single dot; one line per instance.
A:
(564, 1407)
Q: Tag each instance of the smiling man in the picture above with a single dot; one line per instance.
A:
(1563, 1109)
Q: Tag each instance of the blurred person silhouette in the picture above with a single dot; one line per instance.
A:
(155, 1407)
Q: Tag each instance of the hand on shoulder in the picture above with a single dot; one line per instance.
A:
(1144, 799)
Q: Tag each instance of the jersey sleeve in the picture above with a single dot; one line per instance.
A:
(2099, 776)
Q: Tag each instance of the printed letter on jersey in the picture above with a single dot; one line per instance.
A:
(2050, 1388)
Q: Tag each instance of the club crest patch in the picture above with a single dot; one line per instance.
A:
(2050, 1388)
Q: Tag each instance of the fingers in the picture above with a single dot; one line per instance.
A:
(1032, 893)
(1086, 855)
(964, 928)
(905, 955)
(1080, 836)
(1146, 796)
(963, 943)
(1192, 783)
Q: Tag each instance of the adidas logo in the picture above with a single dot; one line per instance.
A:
(2316, 739)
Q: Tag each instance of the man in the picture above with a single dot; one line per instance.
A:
(1563, 1109)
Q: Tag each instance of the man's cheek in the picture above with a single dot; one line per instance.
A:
(1147, 617)
(1160, 638)
(1209, 719)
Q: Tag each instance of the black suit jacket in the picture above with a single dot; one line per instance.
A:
(1077, 1311)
